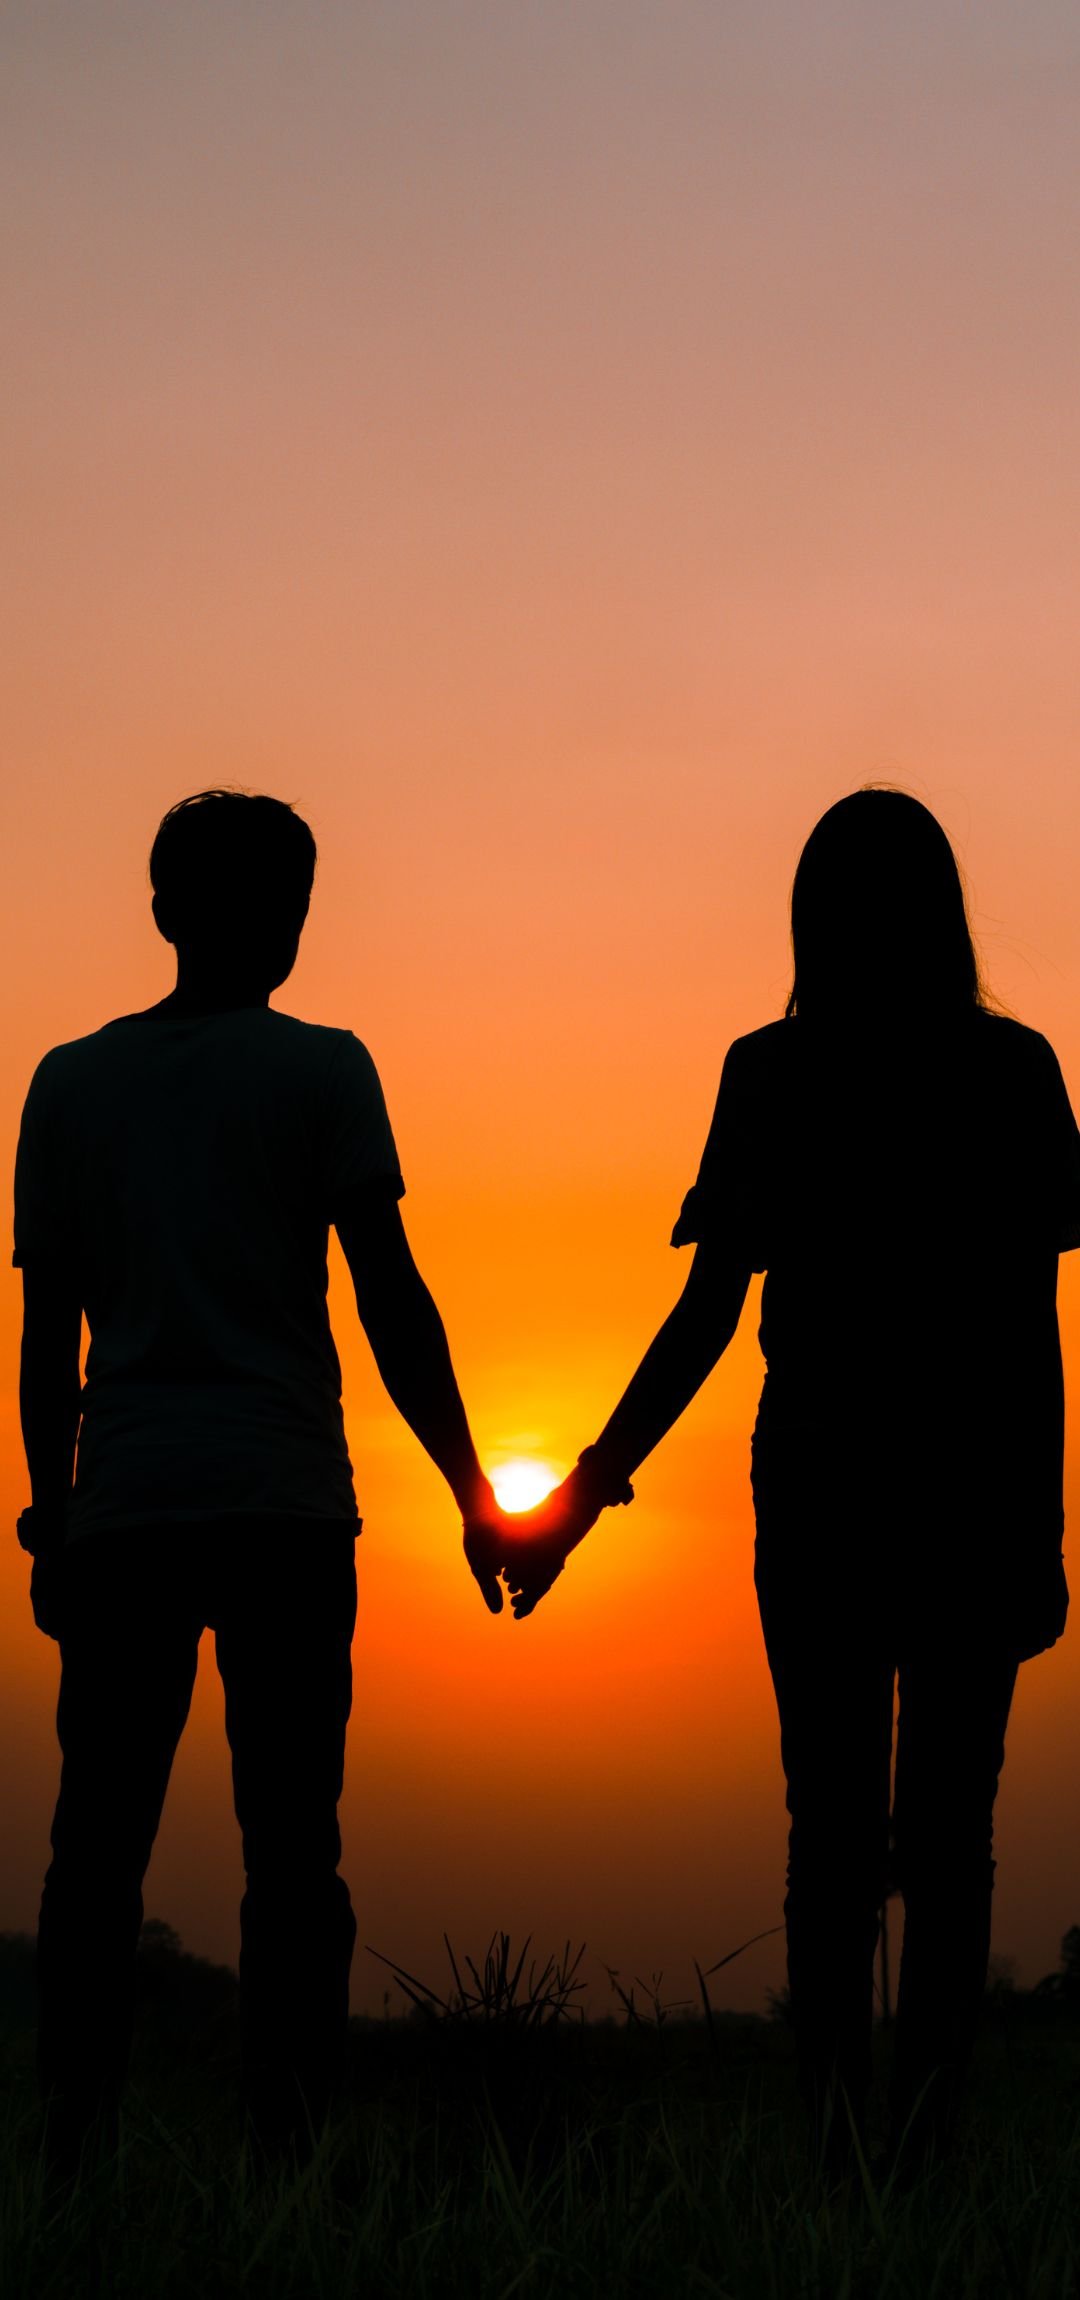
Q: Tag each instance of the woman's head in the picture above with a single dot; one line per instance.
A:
(878, 918)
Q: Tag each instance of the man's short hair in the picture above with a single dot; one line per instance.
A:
(224, 854)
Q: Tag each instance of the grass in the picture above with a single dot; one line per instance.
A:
(489, 2151)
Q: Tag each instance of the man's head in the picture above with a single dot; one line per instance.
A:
(232, 873)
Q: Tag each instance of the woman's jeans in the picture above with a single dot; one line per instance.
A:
(280, 1596)
(837, 1645)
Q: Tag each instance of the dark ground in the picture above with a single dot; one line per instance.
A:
(497, 2147)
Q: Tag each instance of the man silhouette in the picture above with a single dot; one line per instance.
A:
(177, 1175)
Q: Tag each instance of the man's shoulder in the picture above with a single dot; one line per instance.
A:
(323, 1037)
(264, 1047)
(128, 1035)
(75, 1056)
(326, 1045)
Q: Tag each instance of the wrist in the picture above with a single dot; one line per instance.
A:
(40, 1528)
(473, 1492)
(603, 1478)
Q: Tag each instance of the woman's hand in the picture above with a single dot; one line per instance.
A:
(541, 1541)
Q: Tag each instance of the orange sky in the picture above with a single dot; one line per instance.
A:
(562, 449)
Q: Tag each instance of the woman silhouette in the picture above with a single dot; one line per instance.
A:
(903, 1164)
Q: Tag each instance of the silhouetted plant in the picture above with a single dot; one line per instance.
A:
(729, 1959)
(659, 2012)
(1066, 1980)
(502, 1992)
(1070, 1957)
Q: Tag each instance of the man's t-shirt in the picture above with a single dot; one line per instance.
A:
(183, 1171)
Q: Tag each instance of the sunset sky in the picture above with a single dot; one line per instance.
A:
(562, 447)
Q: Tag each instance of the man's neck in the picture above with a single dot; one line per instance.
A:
(203, 994)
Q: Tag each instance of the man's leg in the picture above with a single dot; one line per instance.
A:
(950, 1750)
(128, 1660)
(284, 1647)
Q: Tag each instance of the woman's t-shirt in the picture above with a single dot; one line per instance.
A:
(907, 1198)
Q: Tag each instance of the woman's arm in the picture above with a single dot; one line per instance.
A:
(689, 1344)
(683, 1353)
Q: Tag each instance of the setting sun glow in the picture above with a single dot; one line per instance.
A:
(562, 467)
(521, 1485)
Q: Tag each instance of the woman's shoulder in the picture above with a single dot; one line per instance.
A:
(753, 1068)
(1012, 1045)
(760, 1053)
(778, 1050)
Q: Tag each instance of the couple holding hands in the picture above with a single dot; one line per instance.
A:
(898, 1158)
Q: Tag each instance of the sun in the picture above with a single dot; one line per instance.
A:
(521, 1484)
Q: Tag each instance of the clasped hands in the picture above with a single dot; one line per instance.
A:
(528, 1549)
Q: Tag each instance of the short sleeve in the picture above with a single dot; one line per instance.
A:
(724, 1203)
(360, 1151)
(44, 1212)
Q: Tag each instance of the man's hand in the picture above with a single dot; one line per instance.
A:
(41, 1534)
(529, 1548)
(487, 1537)
(541, 1540)
(46, 1593)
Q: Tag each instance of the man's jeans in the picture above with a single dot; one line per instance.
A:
(280, 1596)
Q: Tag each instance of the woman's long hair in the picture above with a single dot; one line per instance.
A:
(879, 923)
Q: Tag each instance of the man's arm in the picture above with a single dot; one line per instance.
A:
(409, 1345)
(682, 1354)
(49, 1392)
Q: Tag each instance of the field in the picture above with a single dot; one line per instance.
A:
(494, 2149)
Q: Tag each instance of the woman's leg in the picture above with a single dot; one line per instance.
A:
(834, 1694)
(950, 1749)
